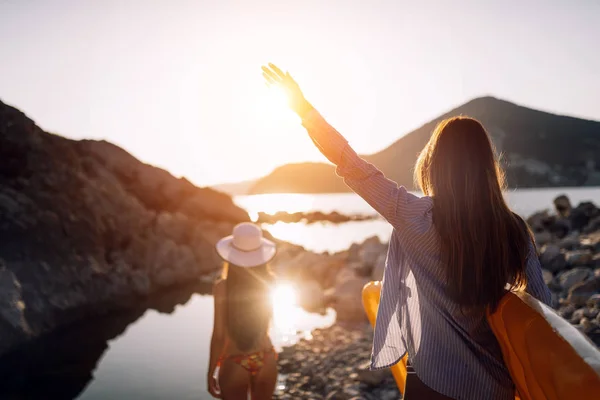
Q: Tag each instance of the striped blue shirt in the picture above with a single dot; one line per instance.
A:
(453, 353)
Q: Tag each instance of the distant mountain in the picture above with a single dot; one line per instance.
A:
(539, 149)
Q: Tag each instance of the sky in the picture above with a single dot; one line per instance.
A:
(178, 83)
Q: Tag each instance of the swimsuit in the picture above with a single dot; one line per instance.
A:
(251, 362)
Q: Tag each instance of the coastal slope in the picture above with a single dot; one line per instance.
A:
(85, 227)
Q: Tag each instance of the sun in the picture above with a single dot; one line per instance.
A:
(283, 296)
(285, 310)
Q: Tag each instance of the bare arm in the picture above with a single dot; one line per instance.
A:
(400, 208)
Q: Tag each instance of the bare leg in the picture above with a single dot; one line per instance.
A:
(234, 381)
(262, 385)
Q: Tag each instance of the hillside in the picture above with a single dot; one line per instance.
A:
(85, 227)
(539, 149)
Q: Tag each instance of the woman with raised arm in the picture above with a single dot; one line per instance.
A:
(240, 346)
(451, 255)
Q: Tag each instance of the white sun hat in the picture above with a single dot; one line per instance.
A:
(246, 247)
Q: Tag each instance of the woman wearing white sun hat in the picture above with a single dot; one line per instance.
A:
(240, 344)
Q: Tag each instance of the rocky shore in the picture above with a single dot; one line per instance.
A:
(311, 217)
(333, 365)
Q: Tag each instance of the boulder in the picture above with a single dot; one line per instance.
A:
(581, 292)
(578, 257)
(311, 296)
(562, 205)
(346, 300)
(552, 258)
(568, 279)
(581, 215)
(542, 238)
(371, 378)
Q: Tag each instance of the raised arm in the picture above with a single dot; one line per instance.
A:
(400, 208)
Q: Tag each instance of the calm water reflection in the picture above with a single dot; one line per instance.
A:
(158, 351)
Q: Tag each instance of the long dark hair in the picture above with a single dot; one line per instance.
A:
(248, 303)
(484, 245)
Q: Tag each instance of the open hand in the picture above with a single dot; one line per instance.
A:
(296, 101)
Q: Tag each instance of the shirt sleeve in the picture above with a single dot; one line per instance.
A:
(535, 279)
(399, 207)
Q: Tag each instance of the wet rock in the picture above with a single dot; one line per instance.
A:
(547, 276)
(578, 258)
(372, 378)
(572, 277)
(569, 242)
(580, 293)
(552, 258)
(567, 311)
(593, 225)
(587, 326)
(577, 316)
(594, 301)
(581, 215)
(562, 204)
(542, 238)
(540, 221)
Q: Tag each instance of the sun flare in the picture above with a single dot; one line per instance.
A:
(284, 296)
(285, 310)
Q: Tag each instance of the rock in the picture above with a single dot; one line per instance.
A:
(560, 228)
(540, 221)
(370, 250)
(347, 300)
(591, 242)
(580, 293)
(372, 378)
(595, 263)
(581, 215)
(566, 311)
(310, 217)
(578, 257)
(572, 277)
(542, 238)
(593, 225)
(577, 316)
(552, 258)
(85, 227)
(310, 296)
(379, 268)
(569, 242)
(562, 204)
(587, 325)
(594, 301)
(548, 276)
